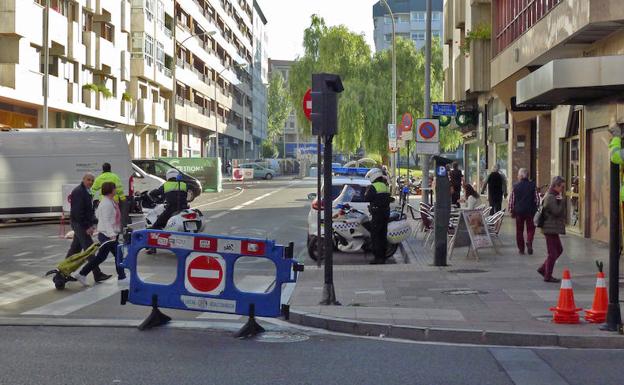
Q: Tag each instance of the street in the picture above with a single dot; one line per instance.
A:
(198, 348)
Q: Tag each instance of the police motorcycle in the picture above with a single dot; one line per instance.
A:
(352, 228)
(185, 220)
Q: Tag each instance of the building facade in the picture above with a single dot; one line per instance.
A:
(260, 80)
(294, 143)
(552, 94)
(175, 75)
(410, 19)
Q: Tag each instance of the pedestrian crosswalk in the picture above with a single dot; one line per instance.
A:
(19, 285)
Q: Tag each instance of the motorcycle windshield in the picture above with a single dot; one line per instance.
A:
(346, 196)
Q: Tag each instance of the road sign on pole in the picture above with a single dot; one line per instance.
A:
(406, 126)
(392, 138)
(307, 104)
(444, 109)
(428, 136)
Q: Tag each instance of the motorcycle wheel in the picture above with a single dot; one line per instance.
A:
(312, 248)
(391, 248)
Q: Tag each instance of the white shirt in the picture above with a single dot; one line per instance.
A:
(108, 223)
(472, 202)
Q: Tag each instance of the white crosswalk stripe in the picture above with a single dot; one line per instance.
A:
(18, 285)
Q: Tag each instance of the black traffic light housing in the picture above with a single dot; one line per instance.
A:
(325, 88)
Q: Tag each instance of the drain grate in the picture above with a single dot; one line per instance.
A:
(463, 292)
(281, 337)
(467, 271)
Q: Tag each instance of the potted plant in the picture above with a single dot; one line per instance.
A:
(480, 33)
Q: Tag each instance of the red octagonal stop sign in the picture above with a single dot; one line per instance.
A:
(307, 104)
(205, 273)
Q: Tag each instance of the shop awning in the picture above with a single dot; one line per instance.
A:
(572, 81)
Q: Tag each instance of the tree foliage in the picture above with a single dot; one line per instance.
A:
(278, 108)
(365, 106)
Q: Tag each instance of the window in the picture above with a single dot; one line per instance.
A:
(418, 36)
(404, 18)
(435, 16)
(149, 9)
(160, 56)
(108, 32)
(387, 20)
(149, 50)
(87, 21)
(435, 34)
(387, 38)
(418, 16)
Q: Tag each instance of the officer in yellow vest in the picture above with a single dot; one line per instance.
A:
(174, 193)
(616, 153)
(108, 176)
(378, 194)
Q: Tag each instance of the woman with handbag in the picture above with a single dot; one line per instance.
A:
(552, 221)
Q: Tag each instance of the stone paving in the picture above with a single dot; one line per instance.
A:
(500, 292)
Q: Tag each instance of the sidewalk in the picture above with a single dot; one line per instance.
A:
(499, 300)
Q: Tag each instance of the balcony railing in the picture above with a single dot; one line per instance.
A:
(514, 17)
(180, 100)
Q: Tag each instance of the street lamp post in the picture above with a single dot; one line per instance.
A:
(174, 122)
(394, 86)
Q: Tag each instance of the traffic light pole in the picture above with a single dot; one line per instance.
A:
(329, 293)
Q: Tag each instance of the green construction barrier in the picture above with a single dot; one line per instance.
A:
(206, 170)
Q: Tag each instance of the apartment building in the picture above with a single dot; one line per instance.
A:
(260, 78)
(294, 143)
(552, 93)
(410, 18)
(89, 67)
(176, 75)
(466, 65)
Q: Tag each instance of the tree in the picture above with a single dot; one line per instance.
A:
(278, 108)
(365, 105)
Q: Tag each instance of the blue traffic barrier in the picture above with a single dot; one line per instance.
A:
(205, 276)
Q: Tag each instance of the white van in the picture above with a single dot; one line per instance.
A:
(144, 181)
(36, 166)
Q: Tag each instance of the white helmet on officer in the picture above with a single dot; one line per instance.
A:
(172, 173)
(373, 174)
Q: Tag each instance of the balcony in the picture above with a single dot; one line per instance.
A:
(459, 76)
(159, 115)
(19, 78)
(535, 35)
(145, 112)
(106, 54)
(89, 41)
(479, 59)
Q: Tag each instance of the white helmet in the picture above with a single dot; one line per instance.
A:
(373, 174)
(172, 173)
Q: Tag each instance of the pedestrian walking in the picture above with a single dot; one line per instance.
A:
(472, 197)
(82, 220)
(120, 197)
(378, 194)
(457, 180)
(109, 228)
(523, 203)
(497, 188)
(553, 213)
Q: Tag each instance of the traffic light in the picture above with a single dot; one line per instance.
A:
(325, 88)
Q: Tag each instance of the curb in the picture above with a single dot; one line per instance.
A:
(459, 336)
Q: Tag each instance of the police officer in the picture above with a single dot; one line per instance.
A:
(174, 193)
(378, 194)
(120, 198)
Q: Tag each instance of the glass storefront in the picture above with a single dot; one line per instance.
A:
(471, 157)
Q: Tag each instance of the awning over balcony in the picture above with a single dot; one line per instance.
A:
(572, 81)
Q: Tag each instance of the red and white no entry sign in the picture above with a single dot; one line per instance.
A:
(205, 273)
(307, 104)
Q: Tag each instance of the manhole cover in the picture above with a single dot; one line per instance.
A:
(468, 271)
(281, 337)
(463, 292)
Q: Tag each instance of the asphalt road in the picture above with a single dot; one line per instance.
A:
(73, 356)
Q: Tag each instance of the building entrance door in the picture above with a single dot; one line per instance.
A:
(572, 173)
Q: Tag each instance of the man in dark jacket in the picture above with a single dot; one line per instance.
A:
(523, 204)
(456, 177)
(497, 187)
(82, 220)
(378, 194)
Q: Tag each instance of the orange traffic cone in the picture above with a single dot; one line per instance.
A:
(566, 310)
(598, 312)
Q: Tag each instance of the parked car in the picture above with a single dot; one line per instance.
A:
(260, 172)
(159, 168)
